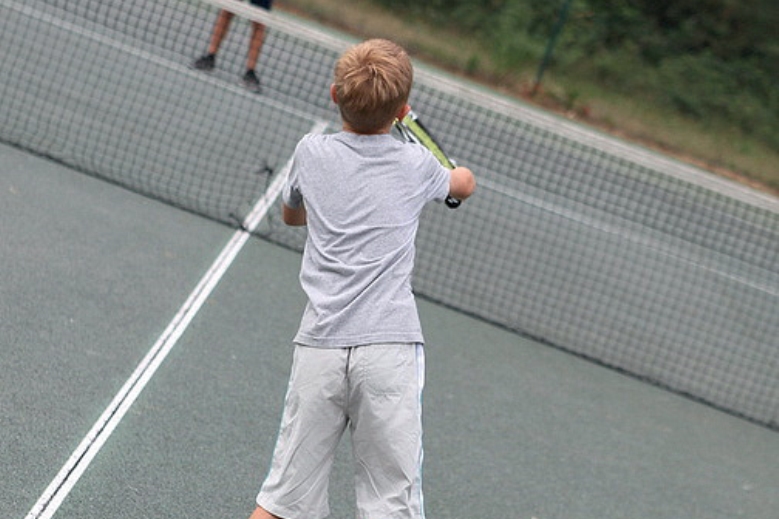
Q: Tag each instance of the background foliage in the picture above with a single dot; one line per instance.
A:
(715, 61)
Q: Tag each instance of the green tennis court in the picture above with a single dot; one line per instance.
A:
(94, 274)
(601, 328)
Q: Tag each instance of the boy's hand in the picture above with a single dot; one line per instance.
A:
(461, 183)
(295, 216)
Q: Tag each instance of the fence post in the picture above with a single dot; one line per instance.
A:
(556, 30)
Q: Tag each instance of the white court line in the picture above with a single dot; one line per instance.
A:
(149, 57)
(68, 476)
(473, 93)
(643, 239)
(517, 110)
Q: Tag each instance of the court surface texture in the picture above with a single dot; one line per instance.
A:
(95, 278)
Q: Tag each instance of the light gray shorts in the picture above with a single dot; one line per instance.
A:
(376, 391)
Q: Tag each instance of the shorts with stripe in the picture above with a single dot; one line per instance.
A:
(376, 392)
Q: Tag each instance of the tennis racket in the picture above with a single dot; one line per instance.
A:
(412, 129)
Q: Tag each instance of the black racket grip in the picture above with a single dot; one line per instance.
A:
(451, 202)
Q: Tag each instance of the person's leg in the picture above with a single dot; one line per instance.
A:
(385, 407)
(250, 79)
(255, 45)
(261, 513)
(313, 422)
(221, 27)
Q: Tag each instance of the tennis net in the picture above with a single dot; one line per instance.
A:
(592, 246)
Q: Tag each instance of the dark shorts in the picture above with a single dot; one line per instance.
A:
(265, 4)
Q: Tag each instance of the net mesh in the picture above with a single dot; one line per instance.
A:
(594, 247)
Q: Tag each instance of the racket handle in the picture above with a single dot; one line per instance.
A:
(451, 202)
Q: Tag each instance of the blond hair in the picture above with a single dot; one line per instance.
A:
(372, 83)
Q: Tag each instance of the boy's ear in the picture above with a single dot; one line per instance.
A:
(333, 93)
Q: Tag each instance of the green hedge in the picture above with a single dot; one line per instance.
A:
(710, 60)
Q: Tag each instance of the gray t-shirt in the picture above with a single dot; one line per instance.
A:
(363, 196)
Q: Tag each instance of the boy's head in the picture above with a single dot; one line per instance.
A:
(372, 84)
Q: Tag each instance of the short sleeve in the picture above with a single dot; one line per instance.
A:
(291, 195)
(439, 177)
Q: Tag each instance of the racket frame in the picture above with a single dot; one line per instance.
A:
(412, 130)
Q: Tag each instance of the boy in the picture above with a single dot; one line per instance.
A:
(358, 358)
(221, 26)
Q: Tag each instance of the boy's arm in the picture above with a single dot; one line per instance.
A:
(461, 183)
(293, 216)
